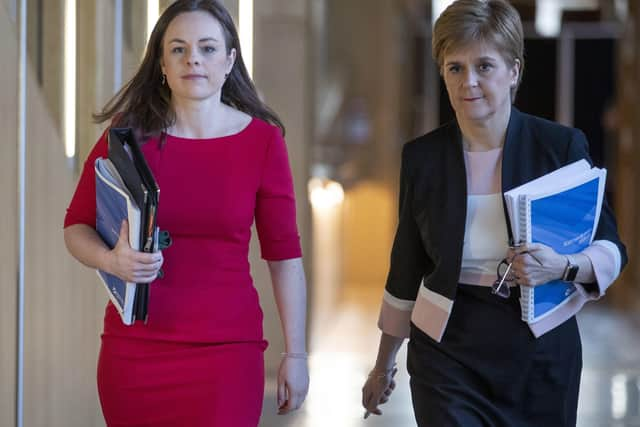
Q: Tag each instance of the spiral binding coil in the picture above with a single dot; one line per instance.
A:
(524, 220)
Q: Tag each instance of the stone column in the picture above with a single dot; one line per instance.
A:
(628, 175)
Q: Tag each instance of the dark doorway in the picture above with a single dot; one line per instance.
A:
(594, 90)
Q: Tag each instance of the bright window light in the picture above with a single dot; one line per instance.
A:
(153, 11)
(245, 30)
(619, 396)
(324, 193)
(437, 7)
(548, 18)
(70, 78)
(622, 9)
(549, 14)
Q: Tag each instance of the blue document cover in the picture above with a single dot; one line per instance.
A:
(565, 221)
(563, 214)
(113, 205)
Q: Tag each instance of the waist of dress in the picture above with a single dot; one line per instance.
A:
(205, 260)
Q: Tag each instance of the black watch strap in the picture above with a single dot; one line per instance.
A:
(571, 270)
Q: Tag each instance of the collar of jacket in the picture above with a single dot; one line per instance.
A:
(511, 151)
(515, 147)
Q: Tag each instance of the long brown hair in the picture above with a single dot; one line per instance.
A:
(144, 103)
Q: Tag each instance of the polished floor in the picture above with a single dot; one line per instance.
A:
(345, 351)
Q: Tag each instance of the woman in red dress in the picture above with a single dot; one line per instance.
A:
(218, 154)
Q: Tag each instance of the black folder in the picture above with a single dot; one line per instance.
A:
(126, 156)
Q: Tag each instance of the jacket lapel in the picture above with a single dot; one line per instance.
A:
(512, 152)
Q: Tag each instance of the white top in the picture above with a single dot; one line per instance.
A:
(486, 240)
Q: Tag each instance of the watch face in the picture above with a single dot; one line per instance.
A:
(572, 272)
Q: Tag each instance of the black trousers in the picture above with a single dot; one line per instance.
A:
(489, 369)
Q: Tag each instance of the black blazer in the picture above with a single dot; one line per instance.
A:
(433, 198)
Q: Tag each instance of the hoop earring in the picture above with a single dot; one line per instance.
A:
(164, 79)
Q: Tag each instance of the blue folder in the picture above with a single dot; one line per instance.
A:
(560, 210)
(113, 205)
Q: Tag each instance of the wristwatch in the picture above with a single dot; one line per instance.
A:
(570, 271)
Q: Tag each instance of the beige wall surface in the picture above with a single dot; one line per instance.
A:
(61, 331)
(61, 319)
(52, 58)
(11, 8)
(8, 216)
(369, 216)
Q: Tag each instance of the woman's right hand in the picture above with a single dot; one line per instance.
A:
(131, 265)
(377, 389)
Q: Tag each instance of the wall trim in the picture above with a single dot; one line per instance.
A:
(22, 145)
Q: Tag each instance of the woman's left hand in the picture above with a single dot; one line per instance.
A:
(535, 264)
(293, 383)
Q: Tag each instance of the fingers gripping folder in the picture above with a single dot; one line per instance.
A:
(127, 189)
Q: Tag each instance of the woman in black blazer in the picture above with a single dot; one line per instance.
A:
(472, 360)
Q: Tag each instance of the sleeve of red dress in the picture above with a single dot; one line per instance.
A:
(276, 205)
(82, 208)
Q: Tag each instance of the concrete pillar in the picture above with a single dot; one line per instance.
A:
(627, 290)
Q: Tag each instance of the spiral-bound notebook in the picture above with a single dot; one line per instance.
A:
(561, 210)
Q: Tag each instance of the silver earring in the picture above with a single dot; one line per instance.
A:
(164, 79)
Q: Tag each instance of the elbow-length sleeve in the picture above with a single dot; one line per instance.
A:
(82, 208)
(275, 213)
(408, 264)
(607, 253)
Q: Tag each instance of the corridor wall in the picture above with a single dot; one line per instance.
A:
(8, 216)
(62, 302)
(61, 328)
